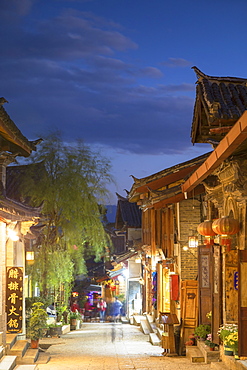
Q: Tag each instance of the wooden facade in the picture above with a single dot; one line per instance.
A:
(168, 219)
(216, 182)
(19, 218)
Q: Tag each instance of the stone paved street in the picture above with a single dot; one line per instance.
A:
(113, 346)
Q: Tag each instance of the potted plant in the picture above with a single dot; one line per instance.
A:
(209, 342)
(223, 332)
(37, 324)
(55, 330)
(231, 341)
(75, 317)
(202, 331)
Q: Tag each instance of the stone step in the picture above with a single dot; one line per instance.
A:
(194, 354)
(144, 327)
(151, 323)
(137, 319)
(26, 367)
(19, 348)
(219, 366)
(154, 339)
(43, 358)
(30, 356)
(8, 363)
(209, 356)
(10, 340)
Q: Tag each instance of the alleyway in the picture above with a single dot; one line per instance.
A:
(104, 346)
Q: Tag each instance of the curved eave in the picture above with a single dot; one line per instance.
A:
(231, 142)
(10, 132)
(166, 177)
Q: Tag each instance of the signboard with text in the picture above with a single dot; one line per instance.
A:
(14, 299)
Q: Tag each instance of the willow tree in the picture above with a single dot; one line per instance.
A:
(70, 184)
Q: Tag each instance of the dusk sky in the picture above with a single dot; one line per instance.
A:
(117, 73)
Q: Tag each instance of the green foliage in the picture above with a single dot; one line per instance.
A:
(55, 325)
(75, 315)
(210, 344)
(70, 183)
(202, 331)
(37, 322)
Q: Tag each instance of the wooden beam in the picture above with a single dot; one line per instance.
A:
(236, 136)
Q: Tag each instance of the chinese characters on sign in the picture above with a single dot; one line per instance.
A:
(14, 297)
(205, 271)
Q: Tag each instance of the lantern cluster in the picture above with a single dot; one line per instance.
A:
(225, 227)
(205, 229)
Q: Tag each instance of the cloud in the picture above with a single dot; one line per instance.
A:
(176, 62)
(152, 72)
(15, 8)
(70, 71)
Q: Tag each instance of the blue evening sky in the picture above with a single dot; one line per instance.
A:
(117, 73)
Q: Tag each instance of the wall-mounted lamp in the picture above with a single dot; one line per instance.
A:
(12, 235)
(30, 257)
(193, 241)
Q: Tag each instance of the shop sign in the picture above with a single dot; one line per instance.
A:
(14, 299)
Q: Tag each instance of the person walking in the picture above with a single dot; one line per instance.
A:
(102, 309)
(116, 309)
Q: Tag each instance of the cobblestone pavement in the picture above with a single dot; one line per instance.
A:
(110, 346)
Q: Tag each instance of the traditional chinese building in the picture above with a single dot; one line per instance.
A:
(15, 222)
(220, 118)
(169, 223)
(216, 184)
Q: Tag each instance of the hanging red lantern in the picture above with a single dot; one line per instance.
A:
(225, 227)
(205, 229)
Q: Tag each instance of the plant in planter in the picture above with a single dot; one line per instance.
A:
(231, 341)
(37, 324)
(55, 330)
(202, 331)
(209, 342)
(74, 318)
(223, 332)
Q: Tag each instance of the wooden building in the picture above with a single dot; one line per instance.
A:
(220, 118)
(15, 222)
(169, 221)
(216, 183)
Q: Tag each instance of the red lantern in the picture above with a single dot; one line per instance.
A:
(225, 227)
(205, 229)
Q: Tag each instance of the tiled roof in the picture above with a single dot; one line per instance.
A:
(128, 213)
(17, 142)
(220, 102)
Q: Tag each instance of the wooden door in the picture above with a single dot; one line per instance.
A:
(189, 310)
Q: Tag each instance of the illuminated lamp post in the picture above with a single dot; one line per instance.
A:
(225, 227)
(205, 229)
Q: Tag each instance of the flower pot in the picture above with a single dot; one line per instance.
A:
(55, 332)
(73, 323)
(34, 343)
(211, 348)
(228, 351)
